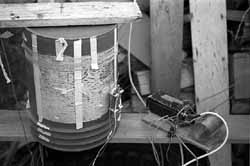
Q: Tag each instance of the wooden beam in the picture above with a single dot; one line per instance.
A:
(166, 46)
(209, 46)
(210, 58)
(209, 42)
(131, 129)
(64, 14)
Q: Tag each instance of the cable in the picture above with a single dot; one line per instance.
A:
(156, 155)
(219, 147)
(182, 155)
(241, 22)
(111, 133)
(129, 66)
(4, 71)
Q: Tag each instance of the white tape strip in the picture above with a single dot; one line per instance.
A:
(43, 132)
(42, 126)
(4, 71)
(115, 57)
(61, 46)
(36, 72)
(93, 52)
(43, 138)
(78, 82)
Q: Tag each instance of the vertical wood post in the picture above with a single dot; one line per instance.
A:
(209, 42)
(166, 37)
(209, 45)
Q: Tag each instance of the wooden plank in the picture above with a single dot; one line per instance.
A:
(166, 47)
(131, 129)
(64, 14)
(211, 64)
(11, 126)
(189, 133)
(209, 45)
(209, 42)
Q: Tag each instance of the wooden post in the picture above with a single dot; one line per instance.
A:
(166, 38)
(209, 42)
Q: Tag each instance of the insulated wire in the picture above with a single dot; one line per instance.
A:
(241, 22)
(156, 155)
(182, 155)
(111, 134)
(129, 66)
(219, 147)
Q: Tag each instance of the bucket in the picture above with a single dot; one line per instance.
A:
(70, 73)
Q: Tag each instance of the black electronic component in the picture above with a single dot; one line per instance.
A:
(162, 104)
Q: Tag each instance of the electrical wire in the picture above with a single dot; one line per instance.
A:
(217, 93)
(189, 150)
(162, 157)
(241, 22)
(129, 66)
(219, 147)
(182, 154)
(110, 135)
(155, 152)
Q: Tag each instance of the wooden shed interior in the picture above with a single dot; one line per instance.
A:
(195, 52)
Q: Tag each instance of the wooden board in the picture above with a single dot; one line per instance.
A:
(209, 42)
(166, 44)
(187, 133)
(131, 129)
(211, 64)
(64, 14)
(209, 46)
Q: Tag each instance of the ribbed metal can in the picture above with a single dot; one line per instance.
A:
(70, 73)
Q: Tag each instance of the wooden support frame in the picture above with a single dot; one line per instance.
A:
(166, 44)
(131, 129)
(210, 56)
(65, 14)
